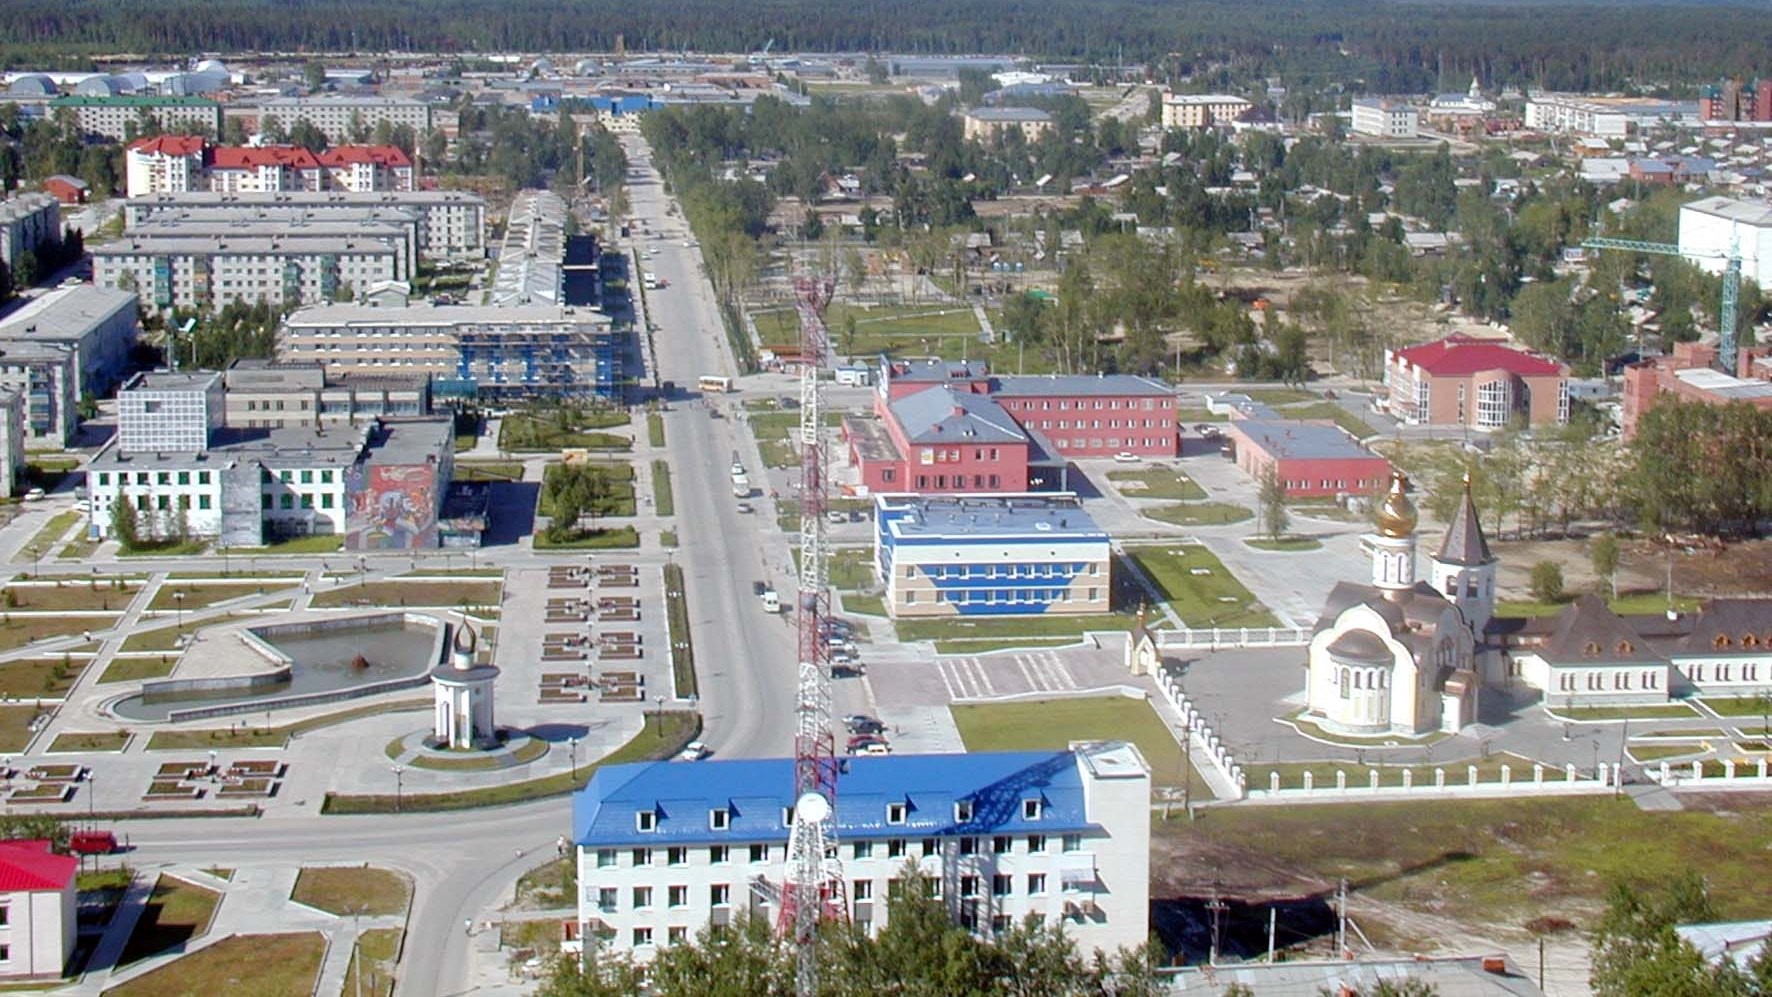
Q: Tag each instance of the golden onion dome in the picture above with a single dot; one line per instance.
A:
(1397, 516)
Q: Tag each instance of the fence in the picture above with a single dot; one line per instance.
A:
(1726, 773)
(1544, 781)
(1216, 637)
(1201, 733)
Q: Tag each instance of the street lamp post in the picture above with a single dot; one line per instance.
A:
(91, 795)
(212, 762)
(399, 776)
(572, 752)
(660, 701)
(178, 599)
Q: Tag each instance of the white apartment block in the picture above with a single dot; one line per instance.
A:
(1711, 228)
(46, 377)
(1382, 117)
(12, 442)
(195, 272)
(1604, 117)
(335, 115)
(164, 163)
(96, 325)
(1200, 110)
(28, 221)
(183, 163)
(293, 232)
(451, 223)
(665, 849)
(118, 118)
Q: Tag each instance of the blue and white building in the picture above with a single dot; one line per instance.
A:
(666, 848)
(990, 555)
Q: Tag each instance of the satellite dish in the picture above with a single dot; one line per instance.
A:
(811, 808)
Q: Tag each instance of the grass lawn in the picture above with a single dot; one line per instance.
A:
(1285, 545)
(1213, 599)
(1199, 513)
(15, 727)
(862, 605)
(1492, 862)
(379, 950)
(488, 471)
(667, 538)
(138, 669)
(1657, 752)
(346, 890)
(655, 433)
(662, 737)
(33, 677)
(682, 642)
(614, 538)
(318, 543)
(1010, 628)
(876, 329)
(176, 912)
(201, 596)
(1159, 482)
(1280, 396)
(262, 965)
(851, 568)
(80, 549)
(51, 532)
(527, 752)
(224, 738)
(1350, 423)
(80, 595)
(1007, 644)
(1646, 711)
(166, 638)
(17, 631)
(166, 548)
(397, 593)
(110, 740)
(1055, 723)
(612, 484)
(663, 502)
(1737, 706)
(1192, 416)
(1635, 603)
(527, 434)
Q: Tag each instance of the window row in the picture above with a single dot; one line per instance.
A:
(677, 856)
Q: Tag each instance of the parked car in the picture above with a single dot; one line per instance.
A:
(694, 751)
(34, 495)
(861, 723)
(1123, 457)
(833, 627)
(745, 507)
(836, 517)
(876, 748)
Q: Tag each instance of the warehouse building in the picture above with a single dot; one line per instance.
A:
(1310, 460)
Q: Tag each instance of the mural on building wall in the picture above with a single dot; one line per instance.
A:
(393, 507)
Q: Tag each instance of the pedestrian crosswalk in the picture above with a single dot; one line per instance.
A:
(1004, 675)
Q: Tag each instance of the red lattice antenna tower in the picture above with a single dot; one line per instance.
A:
(812, 889)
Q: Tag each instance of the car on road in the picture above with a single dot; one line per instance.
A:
(1124, 457)
(862, 742)
(861, 723)
(835, 625)
(34, 495)
(836, 517)
(876, 748)
(694, 751)
(745, 507)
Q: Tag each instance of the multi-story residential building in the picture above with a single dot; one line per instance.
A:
(990, 555)
(1604, 117)
(46, 377)
(382, 485)
(37, 909)
(164, 164)
(263, 169)
(667, 849)
(167, 412)
(121, 118)
(1484, 384)
(1309, 460)
(28, 221)
(365, 169)
(1383, 117)
(1690, 374)
(97, 326)
(531, 262)
(1201, 110)
(493, 353)
(197, 272)
(984, 124)
(12, 442)
(295, 232)
(941, 427)
(265, 395)
(339, 116)
(451, 223)
(1713, 228)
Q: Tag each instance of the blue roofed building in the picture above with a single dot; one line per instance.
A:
(666, 848)
(990, 555)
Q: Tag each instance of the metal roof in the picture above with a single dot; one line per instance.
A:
(1042, 516)
(945, 415)
(1300, 440)
(1052, 385)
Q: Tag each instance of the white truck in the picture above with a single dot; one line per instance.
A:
(741, 486)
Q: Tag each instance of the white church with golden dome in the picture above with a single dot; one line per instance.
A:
(1399, 655)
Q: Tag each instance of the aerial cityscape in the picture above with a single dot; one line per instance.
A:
(1111, 501)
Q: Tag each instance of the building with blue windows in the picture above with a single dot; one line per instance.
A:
(666, 848)
(990, 555)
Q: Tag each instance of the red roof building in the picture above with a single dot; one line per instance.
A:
(182, 163)
(37, 908)
(1484, 384)
(66, 189)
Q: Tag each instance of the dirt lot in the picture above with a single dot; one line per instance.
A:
(1700, 569)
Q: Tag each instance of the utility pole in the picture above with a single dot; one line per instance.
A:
(1272, 917)
(1341, 918)
(1618, 773)
(1541, 962)
(1216, 906)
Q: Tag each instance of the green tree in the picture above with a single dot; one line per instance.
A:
(314, 75)
(271, 129)
(1603, 551)
(745, 959)
(1636, 952)
(1272, 500)
(597, 974)
(123, 522)
(1546, 583)
(308, 135)
(26, 269)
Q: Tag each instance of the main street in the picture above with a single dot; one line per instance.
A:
(462, 863)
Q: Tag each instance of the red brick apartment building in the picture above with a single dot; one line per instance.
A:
(1690, 374)
(947, 427)
(1480, 383)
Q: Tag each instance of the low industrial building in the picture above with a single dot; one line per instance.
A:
(1690, 374)
(985, 124)
(28, 222)
(1483, 384)
(1605, 117)
(37, 910)
(451, 223)
(203, 272)
(665, 850)
(990, 555)
(1714, 228)
(492, 353)
(97, 326)
(531, 262)
(1308, 459)
(1385, 117)
(261, 394)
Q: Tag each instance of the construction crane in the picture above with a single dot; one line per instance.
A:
(1731, 281)
(812, 888)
